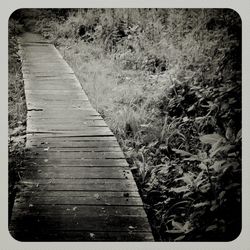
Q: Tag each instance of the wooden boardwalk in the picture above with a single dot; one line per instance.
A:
(75, 184)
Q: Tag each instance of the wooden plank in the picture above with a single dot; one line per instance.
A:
(51, 138)
(69, 112)
(97, 198)
(59, 103)
(69, 101)
(47, 107)
(85, 129)
(79, 181)
(66, 122)
(74, 114)
(87, 210)
(63, 145)
(104, 223)
(55, 92)
(76, 162)
(89, 172)
(80, 118)
(57, 148)
(75, 155)
(50, 235)
(124, 187)
(90, 132)
(79, 185)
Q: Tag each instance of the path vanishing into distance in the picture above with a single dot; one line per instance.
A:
(75, 182)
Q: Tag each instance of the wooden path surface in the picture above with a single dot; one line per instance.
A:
(75, 184)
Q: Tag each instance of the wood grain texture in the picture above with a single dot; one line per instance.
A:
(75, 184)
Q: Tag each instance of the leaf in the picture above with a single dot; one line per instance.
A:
(200, 118)
(153, 144)
(210, 138)
(180, 238)
(187, 227)
(222, 194)
(233, 164)
(216, 145)
(230, 134)
(184, 228)
(186, 178)
(224, 149)
(163, 147)
(202, 166)
(177, 225)
(181, 152)
(174, 231)
(185, 119)
(198, 179)
(179, 189)
(238, 136)
(201, 204)
(145, 125)
(205, 188)
(192, 158)
(191, 108)
(217, 165)
(210, 228)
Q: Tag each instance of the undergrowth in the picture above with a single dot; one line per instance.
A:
(16, 110)
(168, 83)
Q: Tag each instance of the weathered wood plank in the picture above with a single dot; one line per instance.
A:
(88, 172)
(79, 181)
(79, 185)
(76, 162)
(92, 131)
(104, 223)
(65, 122)
(69, 112)
(50, 235)
(51, 138)
(75, 155)
(93, 199)
(87, 129)
(87, 210)
(57, 148)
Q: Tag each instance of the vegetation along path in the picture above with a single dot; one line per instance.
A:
(75, 183)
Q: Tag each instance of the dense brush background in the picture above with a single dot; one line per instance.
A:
(168, 83)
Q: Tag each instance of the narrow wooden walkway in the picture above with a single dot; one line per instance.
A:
(75, 184)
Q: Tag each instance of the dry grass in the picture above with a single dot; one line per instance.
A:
(112, 90)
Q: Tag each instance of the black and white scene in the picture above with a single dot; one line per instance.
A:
(125, 125)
